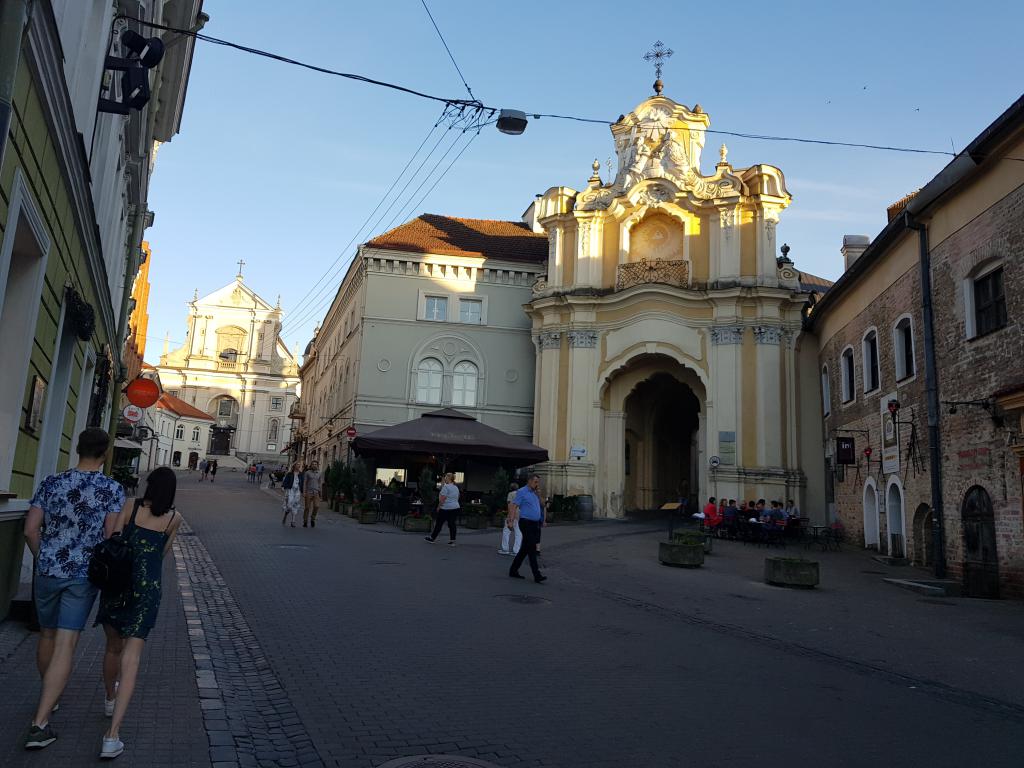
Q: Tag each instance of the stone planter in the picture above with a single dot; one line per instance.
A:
(681, 554)
(498, 519)
(791, 572)
(345, 508)
(417, 524)
(706, 540)
(367, 516)
(476, 522)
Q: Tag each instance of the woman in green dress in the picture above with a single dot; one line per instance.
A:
(148, 525)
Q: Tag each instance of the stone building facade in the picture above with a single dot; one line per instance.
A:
(235, 367)
(429, 315)
(957, 247)
(671, 359)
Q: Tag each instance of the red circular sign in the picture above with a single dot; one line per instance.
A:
(351, 432)
(142, 392)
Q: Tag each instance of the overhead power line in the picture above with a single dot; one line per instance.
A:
(450, 56)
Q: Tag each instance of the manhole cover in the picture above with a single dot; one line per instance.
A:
(875, 573)
(438, 761)
(935, 601)
(523, 600)
(292, 546)
(386, 562)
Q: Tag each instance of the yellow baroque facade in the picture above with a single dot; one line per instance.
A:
(670, 357)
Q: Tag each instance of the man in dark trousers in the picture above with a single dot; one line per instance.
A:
(527, 504)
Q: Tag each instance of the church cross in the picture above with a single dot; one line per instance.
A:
(658, 54)
(241, 263)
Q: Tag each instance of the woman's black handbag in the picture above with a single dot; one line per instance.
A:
(110, 567)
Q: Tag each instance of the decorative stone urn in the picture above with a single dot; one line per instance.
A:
(791, 572)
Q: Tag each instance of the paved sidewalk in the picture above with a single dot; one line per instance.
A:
(164, 726)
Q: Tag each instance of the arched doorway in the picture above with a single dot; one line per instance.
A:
(871, 539)
(894, 515)
(981, 563)
(923, 536)
(662, 416)
(225, 409)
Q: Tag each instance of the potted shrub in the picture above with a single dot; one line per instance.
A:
(417, 523)
(420, 522)
(683, 550)
(705, 538)
(791, 572)
(475, 517)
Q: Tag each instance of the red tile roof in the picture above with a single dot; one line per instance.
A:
(178, 406)
(814, 283)
(450, 236)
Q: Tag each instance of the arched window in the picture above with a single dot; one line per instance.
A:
(464, 384)
(903, 348)
(272, 431)
(179, 432)
(826, 395)
(195, 434)
(428, 381)
(846, 374)
(869, 349)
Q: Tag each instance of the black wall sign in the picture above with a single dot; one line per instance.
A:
(846, 452)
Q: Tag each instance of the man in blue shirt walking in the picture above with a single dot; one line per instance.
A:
(527, 504)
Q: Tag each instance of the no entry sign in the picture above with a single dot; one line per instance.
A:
(351, 433)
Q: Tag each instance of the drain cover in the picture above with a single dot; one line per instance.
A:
(292, 546)
(438, 761)
(386, 562)
(524, 599)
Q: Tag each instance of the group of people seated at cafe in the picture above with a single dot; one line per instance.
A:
(730, 514)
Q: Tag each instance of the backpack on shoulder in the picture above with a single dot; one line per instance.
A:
(110, 567)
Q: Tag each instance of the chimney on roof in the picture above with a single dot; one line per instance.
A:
(853, 247)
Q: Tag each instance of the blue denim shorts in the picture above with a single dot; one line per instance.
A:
(64, 603)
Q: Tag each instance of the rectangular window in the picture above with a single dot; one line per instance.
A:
(470, 311)
(436, 308)
(172, 392)
(271, 447)
(989, 302)
(871, 350)
(276, 403)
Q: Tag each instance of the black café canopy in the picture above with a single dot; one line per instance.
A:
(449, 433)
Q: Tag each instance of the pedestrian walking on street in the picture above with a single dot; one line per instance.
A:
(213, 470)
(527, 504)
(447, 509)
(511, 536)
(69, 514)
(204, 467)
(148, 526)
(310, 494)
(292, 485)
(259, 473)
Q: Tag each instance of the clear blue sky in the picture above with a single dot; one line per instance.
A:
(280, 166)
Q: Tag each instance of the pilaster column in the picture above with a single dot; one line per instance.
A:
(550, 344)
(611, 472)
(726, 349)
(588, 261)
(767, 267)
(725, 246)
(584, 423)
(769, 395)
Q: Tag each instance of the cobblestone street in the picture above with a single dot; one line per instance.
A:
(349, 645)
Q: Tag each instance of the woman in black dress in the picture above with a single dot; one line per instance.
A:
(148, 525)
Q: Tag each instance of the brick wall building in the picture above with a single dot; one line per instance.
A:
(963, 232)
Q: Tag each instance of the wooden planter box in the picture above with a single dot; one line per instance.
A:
(417, 524)
(498, 519)
(367, 516)
(681, 555)
(791, 572)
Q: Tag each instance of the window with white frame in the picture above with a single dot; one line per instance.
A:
(903, 349)
(172, 392)
(179, 432)
(272, 430)
(276, 403)
(195, 434)
(869, 349)
(428, 381)
(826, 397)
(846, 374)
(435, 308)
(464, 384)
(471, 311)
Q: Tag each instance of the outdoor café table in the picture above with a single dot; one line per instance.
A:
(816, 537)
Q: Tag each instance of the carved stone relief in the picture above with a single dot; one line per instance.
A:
(767, 334)
(550, 340)
(726, 334)
(584, 339)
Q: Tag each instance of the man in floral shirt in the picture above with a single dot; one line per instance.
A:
(70, 514)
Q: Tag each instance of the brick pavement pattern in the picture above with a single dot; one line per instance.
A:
(389, 647)
(164, 726)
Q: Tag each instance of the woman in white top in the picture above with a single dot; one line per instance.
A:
(447, 509)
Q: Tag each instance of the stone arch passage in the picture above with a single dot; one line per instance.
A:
(894, 515)
(981, 562)
(923, 536)
(871, 527)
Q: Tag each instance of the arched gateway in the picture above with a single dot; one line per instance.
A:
(670, 359)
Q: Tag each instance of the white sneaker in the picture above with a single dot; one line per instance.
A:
(502, 552)
(111, 748)
(108, 704)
